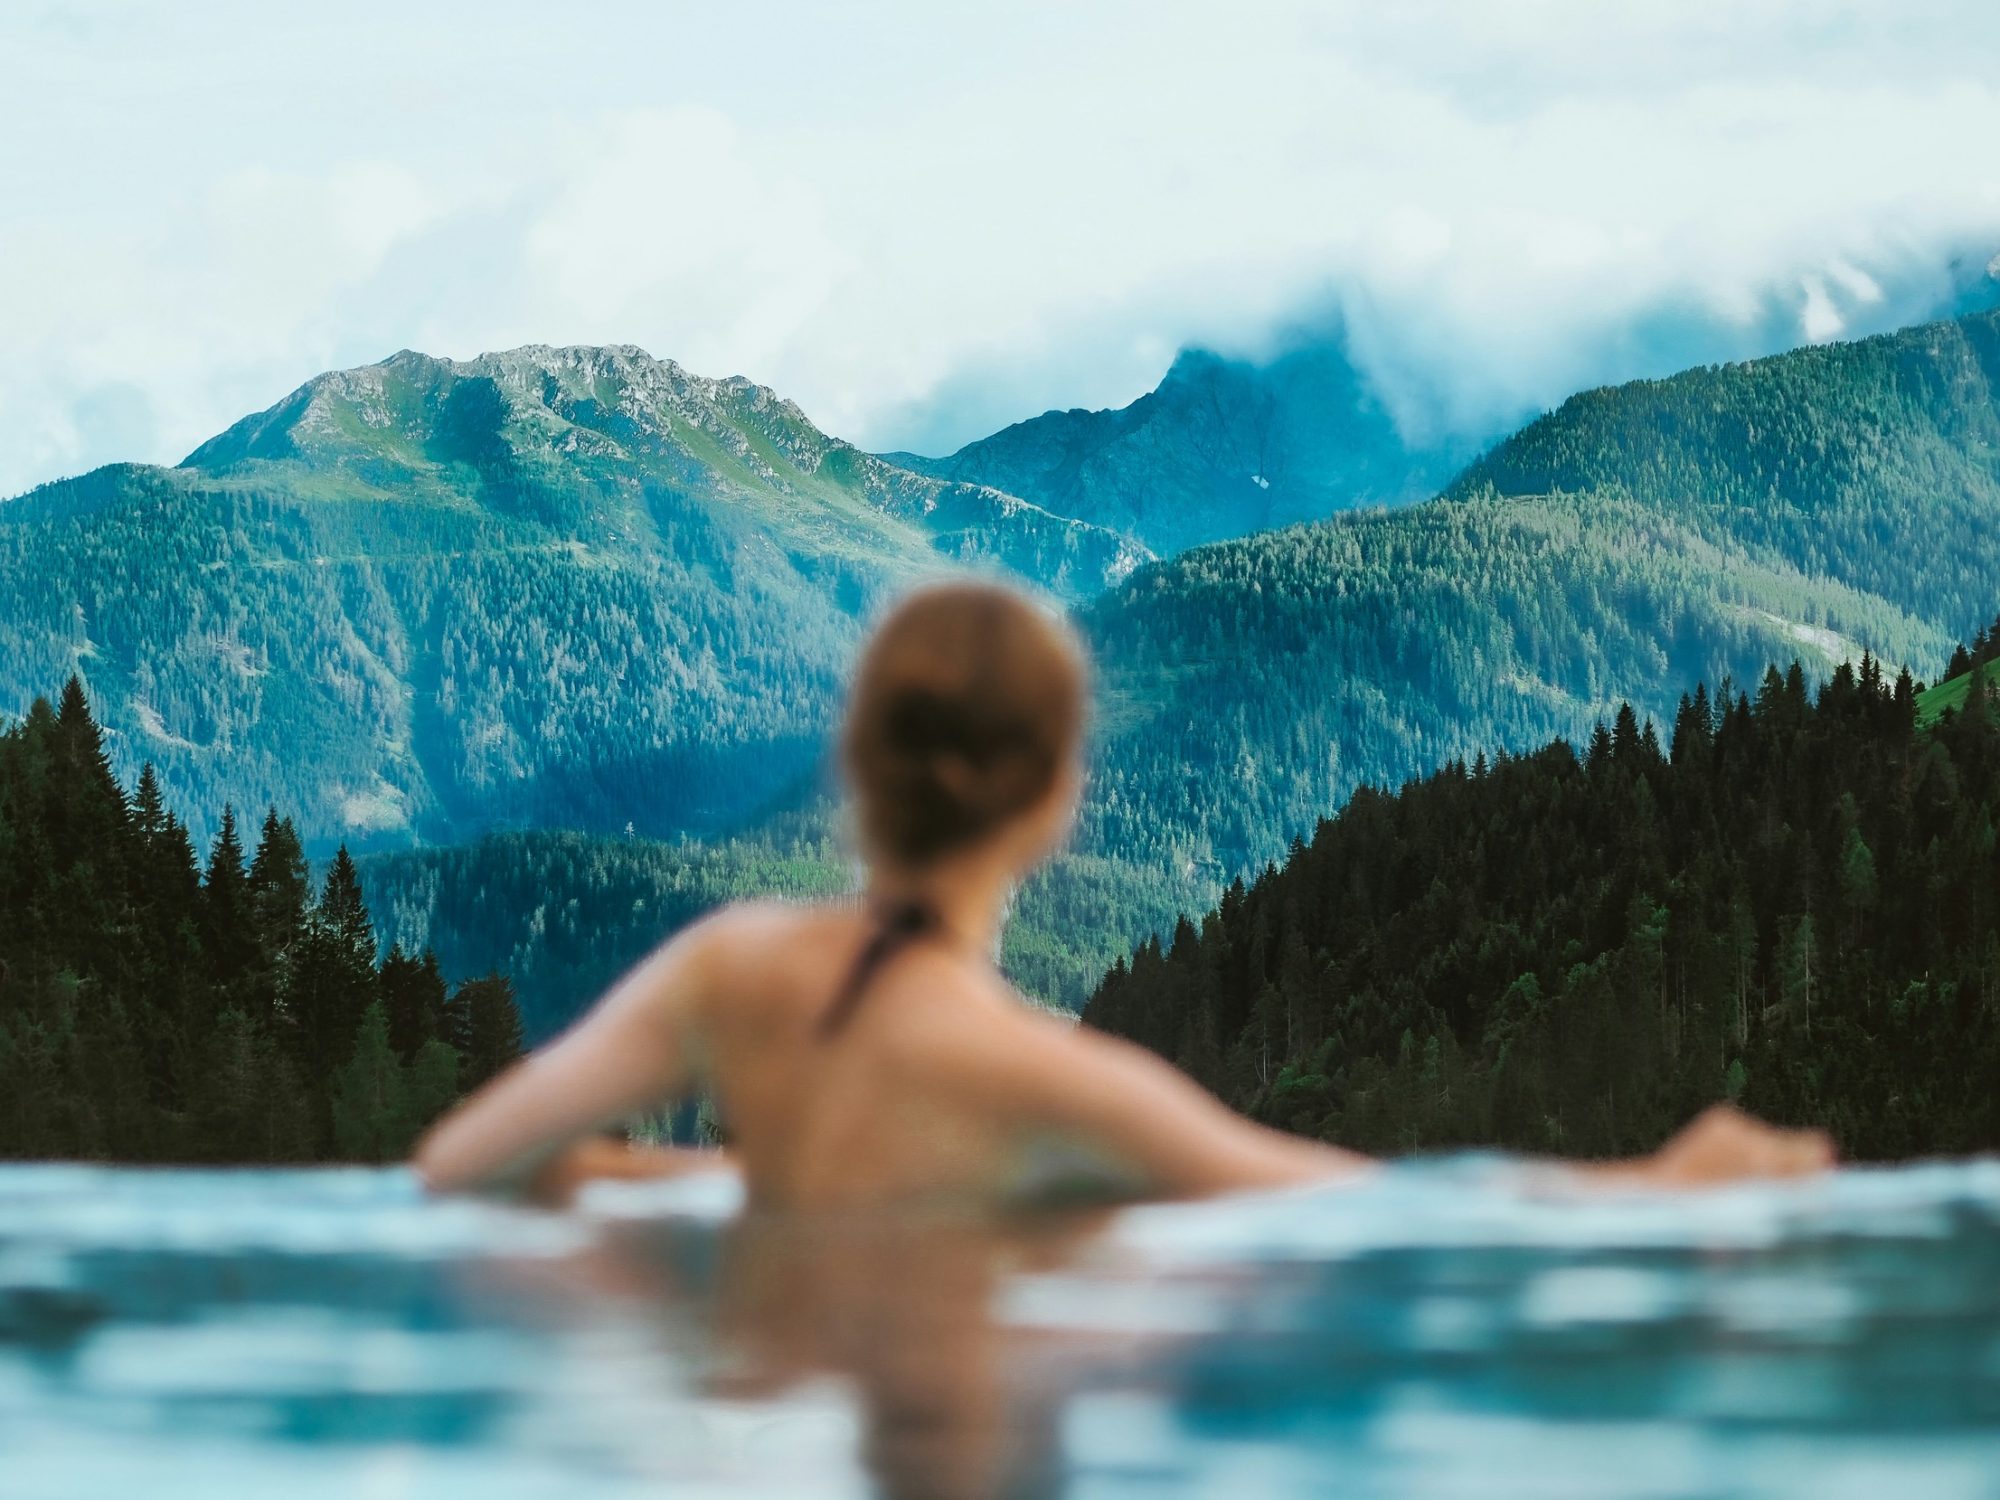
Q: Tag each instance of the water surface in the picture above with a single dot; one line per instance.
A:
(1453, 1328)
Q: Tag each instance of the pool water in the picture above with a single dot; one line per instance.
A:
(1453, 1328)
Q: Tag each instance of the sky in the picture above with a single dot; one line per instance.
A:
(922, 222)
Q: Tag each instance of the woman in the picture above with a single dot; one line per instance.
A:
(870, 1053)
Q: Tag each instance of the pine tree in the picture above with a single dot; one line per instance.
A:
(413, 995)
(278, 887)
(343, 912)
(81, 744)
(86, 824)
(370, 1113)
(491, 1036)
(1625, 736)
(1600, 748)
(149, 812)
(430, 1086)
(331, 980)
(228, 927)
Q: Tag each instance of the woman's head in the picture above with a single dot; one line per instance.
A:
(964, 725)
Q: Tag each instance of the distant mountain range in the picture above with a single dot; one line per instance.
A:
(1222, 447)
(581, 588)
(543, 587)
(1639, 539)
(1333, 420)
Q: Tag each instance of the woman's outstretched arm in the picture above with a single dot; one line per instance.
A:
(1721, 1144)
(1146, 1120)
(635, 1049)
(1145, 1117)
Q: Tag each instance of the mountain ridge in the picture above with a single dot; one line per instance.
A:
(558, 586)
(1220, 447)
(1695, 528)
(494, 592)
(615, 403)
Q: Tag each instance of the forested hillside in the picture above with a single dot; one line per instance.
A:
(1874, 464)
(1222, 447)
(1785, 898)
(1817, 503)
(155, 1007)
(1250, 687)
(569, 587)
(582, 589)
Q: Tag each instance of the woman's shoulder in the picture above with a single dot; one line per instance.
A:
(743, 927)
(753, 947)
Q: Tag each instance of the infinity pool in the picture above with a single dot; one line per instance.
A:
(1454, 1328)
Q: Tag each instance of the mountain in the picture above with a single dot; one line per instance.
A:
(421, 598)
(1220, 448)
(1813, 504)
(1226, 446)
(1833, 457)
(587, 439)
(1788, 899)
(580, 588)
(1248, 688)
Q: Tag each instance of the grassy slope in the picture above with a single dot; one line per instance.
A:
(1949, 695)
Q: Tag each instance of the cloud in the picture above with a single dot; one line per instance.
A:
(922, 222)
(664, 212)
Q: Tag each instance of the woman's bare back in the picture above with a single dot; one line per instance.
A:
(941, 1083)
(894, 1103)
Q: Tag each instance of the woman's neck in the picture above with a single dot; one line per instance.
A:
(967, 897)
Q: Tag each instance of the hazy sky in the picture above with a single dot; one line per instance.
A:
(922, 221)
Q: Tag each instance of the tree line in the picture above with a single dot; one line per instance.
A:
(1791, 899)
(1983, 649)
(158, 1007)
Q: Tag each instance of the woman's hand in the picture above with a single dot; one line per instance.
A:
(600, 1158)
(635, 1050)
(1723, 1144)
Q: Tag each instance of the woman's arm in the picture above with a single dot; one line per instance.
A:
(1721, 1144)
(634, 1049)
(1146, 1118)
(600, 1159)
